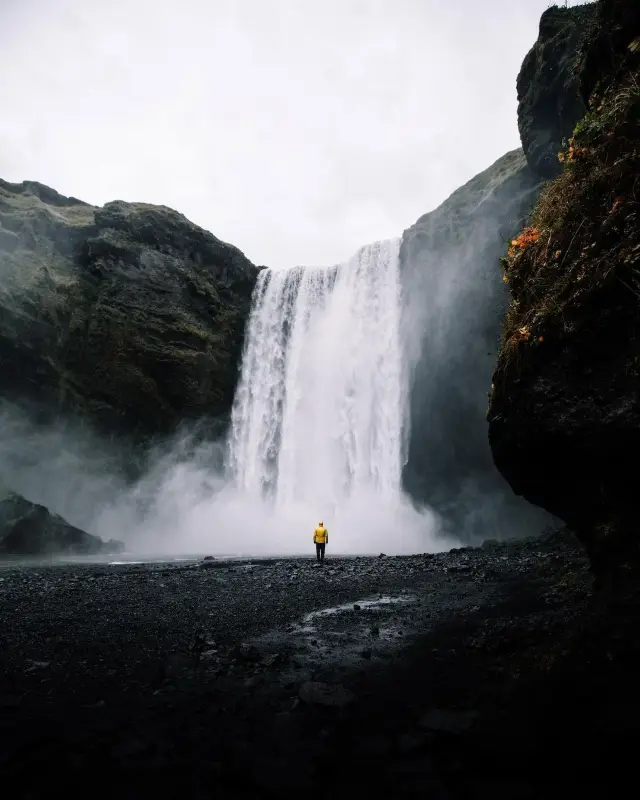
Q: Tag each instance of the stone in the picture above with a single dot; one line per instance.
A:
(325, 694)
(447, 720)
(408, 743)
(249, 652)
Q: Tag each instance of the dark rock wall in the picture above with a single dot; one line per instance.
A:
(564, 417)
(128, 316)
(454, 301)
(549, 100)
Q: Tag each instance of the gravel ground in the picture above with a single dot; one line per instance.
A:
(449, 675)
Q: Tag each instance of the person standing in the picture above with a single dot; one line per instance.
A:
(321, 539)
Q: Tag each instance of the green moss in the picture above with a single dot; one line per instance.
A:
(120, 317)
(586, 220)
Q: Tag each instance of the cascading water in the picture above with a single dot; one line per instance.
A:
(318, 417)
(318, 426)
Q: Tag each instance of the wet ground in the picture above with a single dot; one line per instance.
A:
(493, 670)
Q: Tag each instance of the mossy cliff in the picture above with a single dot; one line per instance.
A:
(128, 316)
(564, 414)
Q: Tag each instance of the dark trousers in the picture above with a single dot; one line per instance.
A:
(320, 551)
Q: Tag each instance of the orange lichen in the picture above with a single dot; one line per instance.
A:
(525, 333)
(573, 153)
(524, 239)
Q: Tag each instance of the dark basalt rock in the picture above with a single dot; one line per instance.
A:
(128, 316)
(564, 415)
(454, 299)
(27, 529)
(549, 99)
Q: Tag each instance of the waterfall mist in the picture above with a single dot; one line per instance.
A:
(320, 418)
(318, 431)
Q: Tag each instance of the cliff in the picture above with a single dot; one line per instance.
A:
(455, 299)
(549, 100)
(128, 316)
(453, 304)
(564, 415)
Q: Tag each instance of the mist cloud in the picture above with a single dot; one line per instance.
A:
(183, 503)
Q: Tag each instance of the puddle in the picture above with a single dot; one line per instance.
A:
(342, 636)
(379, 604)
(354, 626)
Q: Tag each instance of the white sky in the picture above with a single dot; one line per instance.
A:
(297, 130)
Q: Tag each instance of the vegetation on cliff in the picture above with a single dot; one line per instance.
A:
(565, 403)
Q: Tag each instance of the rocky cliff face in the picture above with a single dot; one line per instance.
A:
(128, 316)
(564, 416)
(549, 100)
(454, 300)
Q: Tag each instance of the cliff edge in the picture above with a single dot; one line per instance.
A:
(128, 316)
(564, 414)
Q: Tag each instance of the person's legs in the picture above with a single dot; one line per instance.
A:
(322, 546)
(318, 549)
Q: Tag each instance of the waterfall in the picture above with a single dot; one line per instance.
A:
(317, 430)
(319, 413)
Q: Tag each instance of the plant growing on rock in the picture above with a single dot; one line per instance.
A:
(584, 231)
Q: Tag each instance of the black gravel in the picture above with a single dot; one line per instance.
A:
(450, 675)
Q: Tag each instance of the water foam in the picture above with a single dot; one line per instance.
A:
(319, 422)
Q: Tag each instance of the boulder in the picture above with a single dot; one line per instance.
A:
(334, 695)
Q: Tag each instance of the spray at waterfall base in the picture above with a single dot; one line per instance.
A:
(319, 421)
(319, 428)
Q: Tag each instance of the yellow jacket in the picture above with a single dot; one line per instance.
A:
(321, 535)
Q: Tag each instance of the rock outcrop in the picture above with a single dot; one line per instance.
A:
(565, 407)
(128, 316)
(454, 300)
(549, 100)
(27, 529)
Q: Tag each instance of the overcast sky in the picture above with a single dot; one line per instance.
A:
(297, 130)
